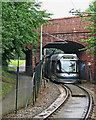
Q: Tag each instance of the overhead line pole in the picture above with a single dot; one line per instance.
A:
(41, 56)
(41, 45)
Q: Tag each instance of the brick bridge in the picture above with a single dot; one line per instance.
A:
(71, 30)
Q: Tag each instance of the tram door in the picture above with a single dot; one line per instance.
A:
(82, 70)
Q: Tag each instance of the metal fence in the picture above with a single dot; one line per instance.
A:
(36, 83)
(28, 89)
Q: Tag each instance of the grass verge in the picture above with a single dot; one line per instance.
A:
(7, 84)
(15, 62)
(11, 69)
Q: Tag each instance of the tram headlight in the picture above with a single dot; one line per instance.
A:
(58, 74)
(77, 75)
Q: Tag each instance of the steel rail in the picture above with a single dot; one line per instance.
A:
(89, 103)
(89, 97)
(55, 105)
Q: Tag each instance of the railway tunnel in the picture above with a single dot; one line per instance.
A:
(71, 47)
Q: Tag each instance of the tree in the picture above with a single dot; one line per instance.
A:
(91, 41)
(50, 51)
(20, 21)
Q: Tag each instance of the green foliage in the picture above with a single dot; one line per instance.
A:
(91, 41)
(11, 69)
(20, 21)
(53, 50)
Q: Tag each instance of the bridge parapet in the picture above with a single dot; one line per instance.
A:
(66, 25)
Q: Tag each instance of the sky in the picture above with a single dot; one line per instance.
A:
(61, 8)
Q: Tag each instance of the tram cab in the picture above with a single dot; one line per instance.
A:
(62, 68)
(67, 69)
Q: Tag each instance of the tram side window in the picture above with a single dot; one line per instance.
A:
(58, 67)
(53, 66)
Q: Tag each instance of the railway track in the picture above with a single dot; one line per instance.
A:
(76, 104)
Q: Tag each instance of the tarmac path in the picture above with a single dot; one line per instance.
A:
(24, 83)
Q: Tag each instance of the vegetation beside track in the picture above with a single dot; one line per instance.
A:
(7, 84)
(8, 79)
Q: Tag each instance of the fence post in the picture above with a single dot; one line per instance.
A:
(34, 91)
(35, 82)
(43, 73)
(17, 86)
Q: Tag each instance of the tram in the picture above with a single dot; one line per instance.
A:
(62, 68)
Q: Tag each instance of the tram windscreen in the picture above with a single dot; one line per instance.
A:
(68, 66)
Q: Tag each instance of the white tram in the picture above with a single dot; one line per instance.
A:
(62, 68)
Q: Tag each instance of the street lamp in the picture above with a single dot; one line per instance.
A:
(90, 76)
(89, 63)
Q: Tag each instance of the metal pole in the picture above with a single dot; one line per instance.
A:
(44, 52)
(41, 45)
(41, 57)
(17, 86)
(90, 74)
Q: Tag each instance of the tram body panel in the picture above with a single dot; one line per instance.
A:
(67, 78)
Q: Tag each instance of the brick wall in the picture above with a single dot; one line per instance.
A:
(66, 25)
(72, 29)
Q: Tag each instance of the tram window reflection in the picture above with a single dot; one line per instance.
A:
(68, 66)
(58, 67)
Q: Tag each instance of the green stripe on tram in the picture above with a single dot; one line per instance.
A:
(61, 77)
